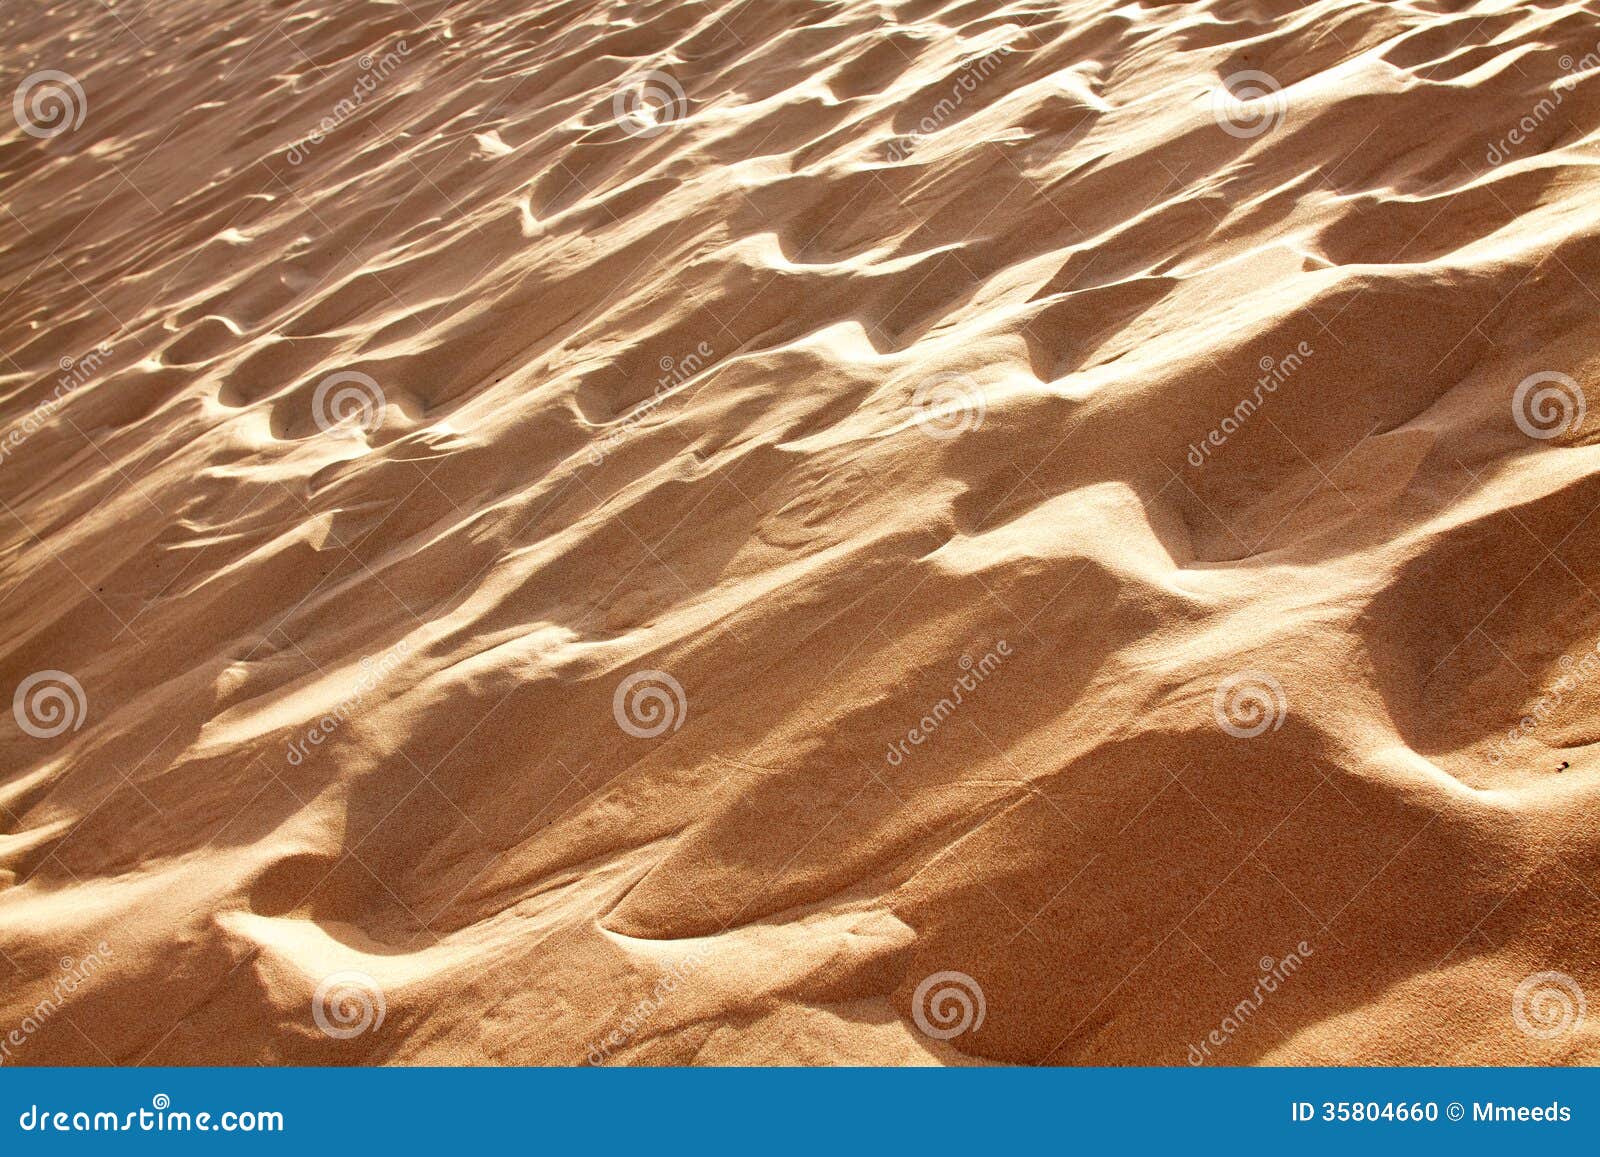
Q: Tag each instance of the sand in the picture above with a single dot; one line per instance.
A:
(805, 532)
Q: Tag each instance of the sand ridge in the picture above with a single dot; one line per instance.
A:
(909, 532)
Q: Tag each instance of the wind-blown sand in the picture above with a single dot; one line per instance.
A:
(977, 533)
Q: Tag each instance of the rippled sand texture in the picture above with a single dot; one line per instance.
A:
(812, 571)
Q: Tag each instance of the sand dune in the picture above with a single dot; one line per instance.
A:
(799, 531)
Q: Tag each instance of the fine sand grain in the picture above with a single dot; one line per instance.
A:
(799, 531)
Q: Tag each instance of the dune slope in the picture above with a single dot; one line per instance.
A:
(799, 531)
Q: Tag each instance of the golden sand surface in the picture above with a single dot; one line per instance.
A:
(799, 531)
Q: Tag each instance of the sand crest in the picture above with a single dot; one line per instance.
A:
(799, 532)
